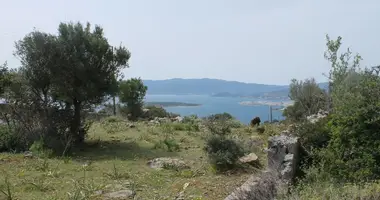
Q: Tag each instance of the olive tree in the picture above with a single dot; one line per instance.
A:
(75, 68)
(132, 93)
(308, 99)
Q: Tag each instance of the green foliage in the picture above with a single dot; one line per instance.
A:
(61, 78)
(192, 119)
(185, 127)
(220, 116)
(223, 153)
(353, 152)
(132, 93)
(39, 149)
(168, 144)
(154, 111)
(308, 99)
(260, 129)
(10, 141)
(346, 144)
(313, 135)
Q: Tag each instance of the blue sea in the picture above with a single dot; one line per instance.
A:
(212, 105)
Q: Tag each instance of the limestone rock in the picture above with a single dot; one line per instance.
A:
(28, 154)
(283, 156)
(166, 162)
(250, 158)
(256, 187)
(121, 194)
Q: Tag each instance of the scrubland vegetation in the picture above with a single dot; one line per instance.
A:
(56, 144)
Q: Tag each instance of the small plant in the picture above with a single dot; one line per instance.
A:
(260, 129)
(171, 145)
(6, 189)
(66, 159)
(186, 173)
(38, 148)
(116, 175)
(147, 137)
(168, 144)
(114, 124)
(152, 131)
(42, 165)
(40, 183)
(167, 129)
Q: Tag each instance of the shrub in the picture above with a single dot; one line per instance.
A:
(223, 153)
(39, 148)
(260, 129)
(155, 111)
(191, 119)
(313, 135)
(220, 116)
(168, 144)
(10, 140)
(218, 127)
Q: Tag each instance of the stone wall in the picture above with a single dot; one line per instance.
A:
(283, 156)
(283, 160)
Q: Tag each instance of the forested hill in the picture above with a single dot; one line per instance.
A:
(207, 87)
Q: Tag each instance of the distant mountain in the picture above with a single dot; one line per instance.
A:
(217, 88)
(208, 87)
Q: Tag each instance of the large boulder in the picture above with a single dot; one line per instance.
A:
(249, 159)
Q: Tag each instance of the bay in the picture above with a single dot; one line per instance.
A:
(212, 105)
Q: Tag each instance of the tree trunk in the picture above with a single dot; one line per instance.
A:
(75, 127)
(114, 105)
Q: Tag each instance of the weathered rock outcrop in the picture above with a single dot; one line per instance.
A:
(166, 162)
(283, 160)
(256, 188)
(283, 156)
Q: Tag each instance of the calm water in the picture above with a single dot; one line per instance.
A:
(211, 105)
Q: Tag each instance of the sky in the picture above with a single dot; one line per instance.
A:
(252, 41)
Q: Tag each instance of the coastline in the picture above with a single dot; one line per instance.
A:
(268, 103)
(171, 104)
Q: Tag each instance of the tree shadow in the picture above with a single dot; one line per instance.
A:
(97, 150)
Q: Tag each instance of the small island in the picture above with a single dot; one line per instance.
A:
(169, 104)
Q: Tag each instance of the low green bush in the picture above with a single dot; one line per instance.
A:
(10, 140)
(223, 153)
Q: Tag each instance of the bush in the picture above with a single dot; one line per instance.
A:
(223, 153)
(260, 129)
(313, 135)
(168, 144)
(38, 148)
(220, 116)
(185, 127)
(218, 127)
(154, 111)
(192, 119)
(10, 140)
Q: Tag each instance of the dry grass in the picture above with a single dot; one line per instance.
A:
(116, 157)
(325, 190)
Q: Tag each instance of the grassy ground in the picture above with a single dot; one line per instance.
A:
(115, 158)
